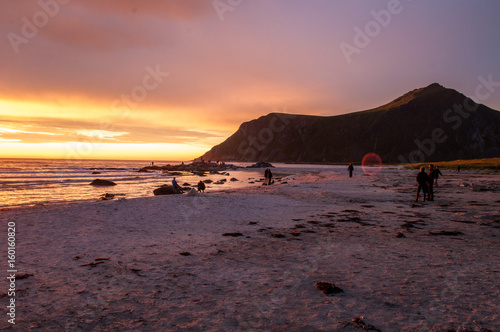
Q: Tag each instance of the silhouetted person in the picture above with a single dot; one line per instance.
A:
(201, 187)
(432, 176)
(269, 176)
(350, 168)
(437, 173)
(458, 169)
(422, 180)
(176, 185)
(266, 176)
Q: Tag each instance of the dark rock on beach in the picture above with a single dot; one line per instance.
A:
(359, 322)
(99, 182)
(446, 233)
(328, 288)
(106, 197)
(261, 164)
(166, 190)
(278, 235)
(236, 234)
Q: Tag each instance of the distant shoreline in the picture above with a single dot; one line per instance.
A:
(466, 164)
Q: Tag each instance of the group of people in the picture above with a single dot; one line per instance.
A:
(426, 182)
(201, 186)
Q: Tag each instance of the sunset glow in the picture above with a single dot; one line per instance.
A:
(170, 79)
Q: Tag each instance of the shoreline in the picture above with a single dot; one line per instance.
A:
(176, 262)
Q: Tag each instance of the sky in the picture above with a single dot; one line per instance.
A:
(168, 79)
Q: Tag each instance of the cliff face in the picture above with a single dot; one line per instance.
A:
(429, 124)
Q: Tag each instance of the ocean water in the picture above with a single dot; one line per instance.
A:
(29, 182)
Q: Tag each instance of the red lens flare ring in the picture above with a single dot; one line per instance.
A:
(371, 164)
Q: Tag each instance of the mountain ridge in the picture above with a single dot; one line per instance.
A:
(433, 123)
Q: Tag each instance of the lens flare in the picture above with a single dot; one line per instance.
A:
(371, 164)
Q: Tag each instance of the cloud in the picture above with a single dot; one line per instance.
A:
(50, 130)
(100, 134)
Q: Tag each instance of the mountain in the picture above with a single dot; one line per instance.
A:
(428, 124)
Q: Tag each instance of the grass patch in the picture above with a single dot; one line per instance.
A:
(471, 164)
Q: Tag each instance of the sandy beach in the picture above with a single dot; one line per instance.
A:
(249, 259)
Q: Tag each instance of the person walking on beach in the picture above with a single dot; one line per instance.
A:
(176, 185)
(422, 179)
(350, 168)
(266, 176)
(458, 169)
(201, 187)
(437, 173)
(432, 176)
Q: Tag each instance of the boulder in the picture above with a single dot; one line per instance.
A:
(166, 190)
(234, 179)
(261, 164)
(99, 182)
(208, 181)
